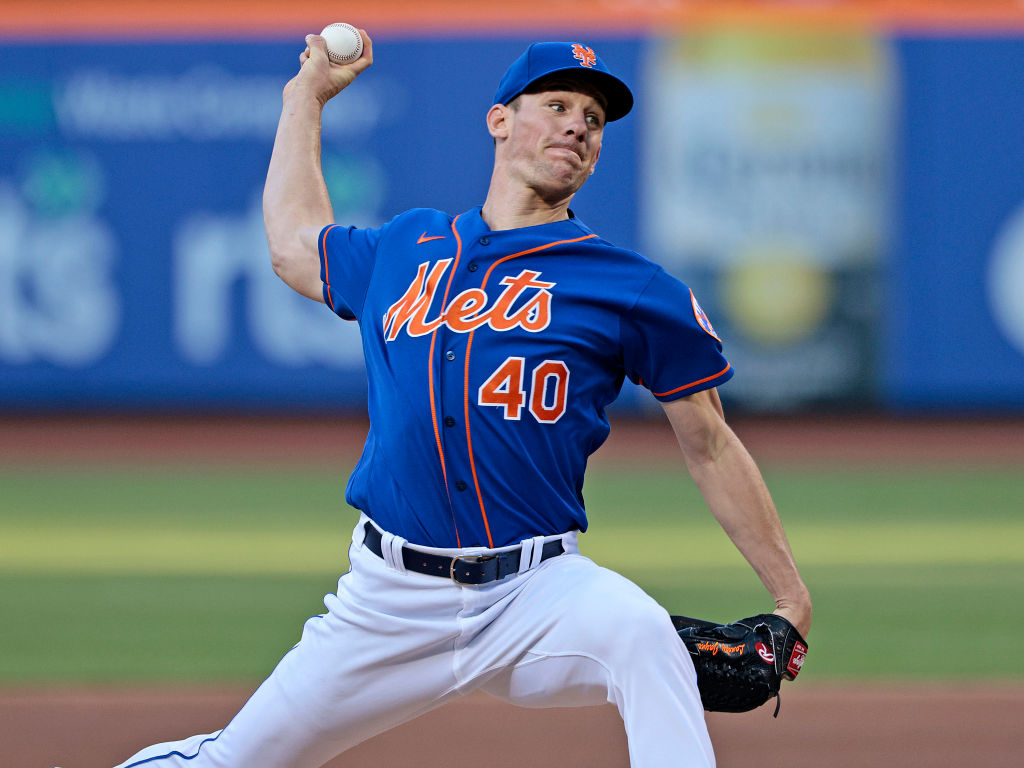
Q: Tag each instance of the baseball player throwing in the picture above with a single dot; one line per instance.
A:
(494, 339)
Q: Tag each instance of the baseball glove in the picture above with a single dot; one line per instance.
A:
(742, 665)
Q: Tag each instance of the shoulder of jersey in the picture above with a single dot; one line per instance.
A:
(419, 215)
(618, 253)
(418, 226)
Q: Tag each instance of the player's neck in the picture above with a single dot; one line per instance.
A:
(507, 208)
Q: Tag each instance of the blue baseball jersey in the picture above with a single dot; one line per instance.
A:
(491, 356)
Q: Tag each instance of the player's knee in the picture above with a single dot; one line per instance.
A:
(617, 620)
(634, 626)
(649, 624)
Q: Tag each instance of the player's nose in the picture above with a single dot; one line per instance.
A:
(577, 126)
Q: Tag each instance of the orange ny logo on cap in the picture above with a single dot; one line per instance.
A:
(586, 55)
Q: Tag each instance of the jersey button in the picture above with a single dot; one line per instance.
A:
(485, 240)
(461, 485)
(449, 421)
(449, 355)
(473, 266)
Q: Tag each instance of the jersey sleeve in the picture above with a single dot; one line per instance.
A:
(669, 345)
(347, 257)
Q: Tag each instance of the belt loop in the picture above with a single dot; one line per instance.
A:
(538, 551)
(571, 542)
(526, 555)
(391, 551)
(397, 543)
(359, 533)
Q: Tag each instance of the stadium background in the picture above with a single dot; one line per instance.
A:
(840, 182)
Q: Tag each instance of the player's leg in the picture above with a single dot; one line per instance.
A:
(381, 655)
(589, 635)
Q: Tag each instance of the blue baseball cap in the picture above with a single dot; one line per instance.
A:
(542, 59)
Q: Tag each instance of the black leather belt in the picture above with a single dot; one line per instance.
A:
(468, 570)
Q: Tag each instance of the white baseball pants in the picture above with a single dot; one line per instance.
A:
(395, 644)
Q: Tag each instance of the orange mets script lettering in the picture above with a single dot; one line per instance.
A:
(516, 306)
(716, 647)
(586, 55)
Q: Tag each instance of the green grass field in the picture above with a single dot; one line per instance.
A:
(179, 574)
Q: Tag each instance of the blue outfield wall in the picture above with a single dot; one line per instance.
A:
(955, 303)
(853, 229)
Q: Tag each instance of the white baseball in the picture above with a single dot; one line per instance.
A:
(344, 43)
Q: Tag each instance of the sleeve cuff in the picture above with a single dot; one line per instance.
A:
(695, 386)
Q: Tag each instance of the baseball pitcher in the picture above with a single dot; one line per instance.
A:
(494, 340)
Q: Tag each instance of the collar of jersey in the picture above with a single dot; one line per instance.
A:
(471, 225)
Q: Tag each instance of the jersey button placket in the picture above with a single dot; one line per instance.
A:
(450, 387)
(452, 400)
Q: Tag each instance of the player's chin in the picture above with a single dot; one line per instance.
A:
(568, 177)
(578, 180)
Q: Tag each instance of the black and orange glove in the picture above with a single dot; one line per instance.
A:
(742, 665)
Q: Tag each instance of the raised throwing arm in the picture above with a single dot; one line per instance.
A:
(296, 206)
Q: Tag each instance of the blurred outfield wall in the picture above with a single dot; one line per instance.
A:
(841, 183)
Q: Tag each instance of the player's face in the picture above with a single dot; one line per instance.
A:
(554, 140)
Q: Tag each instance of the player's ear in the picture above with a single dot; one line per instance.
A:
(499, 118)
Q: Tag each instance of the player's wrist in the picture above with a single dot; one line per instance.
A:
(797, 609)
(299, 95)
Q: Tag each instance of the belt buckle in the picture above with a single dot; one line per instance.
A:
(471, 558)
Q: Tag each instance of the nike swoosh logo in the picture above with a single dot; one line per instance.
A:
(425, 239)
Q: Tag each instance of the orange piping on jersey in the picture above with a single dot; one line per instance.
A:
(693, 383)
(469, 444)
(469, 346)
(531, 250)
(430, 379)
(327, 272)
